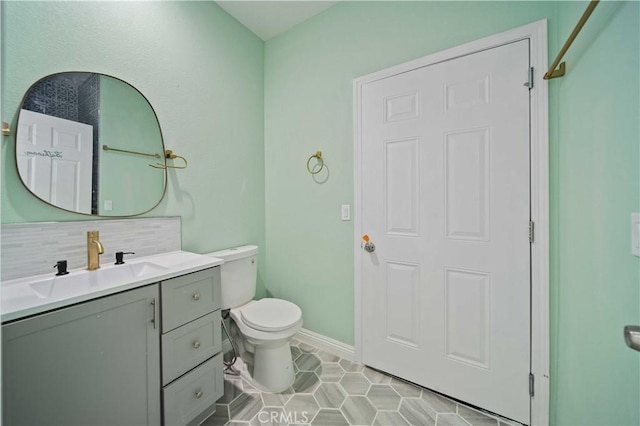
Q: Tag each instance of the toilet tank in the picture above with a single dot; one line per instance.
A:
(239, 275)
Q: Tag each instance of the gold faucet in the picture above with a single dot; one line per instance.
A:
(94, 249)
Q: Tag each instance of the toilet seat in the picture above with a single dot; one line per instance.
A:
(271, 315)
(260, 335)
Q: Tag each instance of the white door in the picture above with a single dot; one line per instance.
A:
(445, 199)
(55, 158)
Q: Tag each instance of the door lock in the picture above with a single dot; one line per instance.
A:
(368, 245)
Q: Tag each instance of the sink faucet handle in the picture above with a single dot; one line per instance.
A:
(62, 267)
(120, 256)
(94, 250)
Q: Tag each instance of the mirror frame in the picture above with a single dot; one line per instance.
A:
(164, 159)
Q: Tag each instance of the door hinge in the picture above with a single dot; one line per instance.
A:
(532, 231)
(531, 383)
(529, 83)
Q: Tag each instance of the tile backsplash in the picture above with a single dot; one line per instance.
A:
(34, 248)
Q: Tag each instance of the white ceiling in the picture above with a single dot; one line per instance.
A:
(269, 18)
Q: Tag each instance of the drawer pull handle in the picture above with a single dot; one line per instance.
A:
(199, 394)
(196, 296)
(196, 344)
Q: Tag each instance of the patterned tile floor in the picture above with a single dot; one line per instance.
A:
(332, 391)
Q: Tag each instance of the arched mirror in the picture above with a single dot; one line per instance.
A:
(84, 143)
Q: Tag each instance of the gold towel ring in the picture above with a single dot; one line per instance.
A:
(169, 155)
(318, 156)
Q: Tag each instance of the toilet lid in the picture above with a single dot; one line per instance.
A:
(271, 314)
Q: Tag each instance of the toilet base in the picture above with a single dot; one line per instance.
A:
(272, 370)
(267, 366)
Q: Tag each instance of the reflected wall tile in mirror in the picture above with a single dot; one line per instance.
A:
(56, 97)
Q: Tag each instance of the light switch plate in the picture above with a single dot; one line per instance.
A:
(346, 212)
(635, 234)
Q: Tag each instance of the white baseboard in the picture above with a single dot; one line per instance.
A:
(326, 344)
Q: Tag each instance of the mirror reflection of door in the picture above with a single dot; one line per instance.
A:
(56, 156)
(64, 103)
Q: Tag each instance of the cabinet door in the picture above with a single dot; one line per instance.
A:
(93, 363)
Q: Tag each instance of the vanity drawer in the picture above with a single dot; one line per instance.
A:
(189, 297)
(189, 345)
(194, 393)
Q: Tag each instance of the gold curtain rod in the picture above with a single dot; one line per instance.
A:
(108, 148)
(555, 73)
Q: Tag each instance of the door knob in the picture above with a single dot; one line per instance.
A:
(632, 336)
(368, 245)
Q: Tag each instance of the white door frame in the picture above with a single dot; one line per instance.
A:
(539, 157)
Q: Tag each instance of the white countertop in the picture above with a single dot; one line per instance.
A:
(21, 297)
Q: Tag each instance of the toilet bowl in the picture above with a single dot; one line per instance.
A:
(266, 333)
(262, 329)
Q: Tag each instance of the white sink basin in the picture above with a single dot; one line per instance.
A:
(83, 281)
(31, 295)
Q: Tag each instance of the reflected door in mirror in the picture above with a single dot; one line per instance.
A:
(55, 156)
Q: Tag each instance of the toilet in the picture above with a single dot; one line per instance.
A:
(262, 329)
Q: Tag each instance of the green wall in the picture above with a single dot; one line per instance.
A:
(596, 181)
(200, 69)
(595, 177)
(127, 122)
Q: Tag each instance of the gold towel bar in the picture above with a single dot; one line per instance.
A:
(555, 73)
(108, 148)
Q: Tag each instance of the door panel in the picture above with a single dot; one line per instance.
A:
(467, 323)
(467, 185)
(402, 187)
(402, 307)
(57, 156)
(445, 192)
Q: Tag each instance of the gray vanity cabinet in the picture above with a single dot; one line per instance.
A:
(97, 362)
